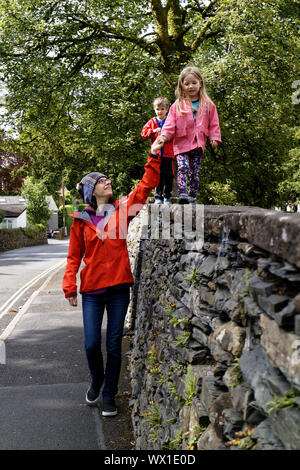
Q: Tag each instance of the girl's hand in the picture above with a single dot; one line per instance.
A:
(214, 144)
(73, 301)
(158, 130)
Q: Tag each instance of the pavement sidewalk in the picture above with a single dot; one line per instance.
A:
(44, 381)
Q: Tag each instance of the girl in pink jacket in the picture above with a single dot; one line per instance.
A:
(191, 119)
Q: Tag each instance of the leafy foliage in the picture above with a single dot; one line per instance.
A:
(286, 401)
(37, 209)
(32, 231)
(190, 385)
(10, 181)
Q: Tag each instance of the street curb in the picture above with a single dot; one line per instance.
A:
(8, 330)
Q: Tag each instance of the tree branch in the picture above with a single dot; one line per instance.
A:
(201, 36)
(160, 18)
(208, 9)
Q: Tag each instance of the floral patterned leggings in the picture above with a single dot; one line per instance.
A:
(189, 164)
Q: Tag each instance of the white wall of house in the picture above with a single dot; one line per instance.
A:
(14, 222)
(53, 221)
(21, 220)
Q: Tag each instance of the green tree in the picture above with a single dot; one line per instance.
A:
(250, 74)
(82, 75)
(10, 181)
(289, 188)
(37, 209)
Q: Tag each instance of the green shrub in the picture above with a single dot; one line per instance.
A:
(190, 385)
(37, 207)
(32, 231)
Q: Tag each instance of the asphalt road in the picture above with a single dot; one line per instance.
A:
(17, 267)
(22, 271)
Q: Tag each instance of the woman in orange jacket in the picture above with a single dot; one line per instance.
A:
(98, 237)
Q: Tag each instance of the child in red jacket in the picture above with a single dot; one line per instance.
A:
(152, 130)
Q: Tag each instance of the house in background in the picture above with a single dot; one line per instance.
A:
(53, 221)
(14, 210)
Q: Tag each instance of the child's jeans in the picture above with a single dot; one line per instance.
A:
(188, 164)
(116, 302)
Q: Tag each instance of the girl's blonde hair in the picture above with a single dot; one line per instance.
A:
(179, 89)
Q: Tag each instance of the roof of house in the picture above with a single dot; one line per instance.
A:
(13, 206)
(12, 210)
(12, 200)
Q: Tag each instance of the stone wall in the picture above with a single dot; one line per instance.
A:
(215, 361)
(13, 238)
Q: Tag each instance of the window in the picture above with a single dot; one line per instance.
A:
(6, 223)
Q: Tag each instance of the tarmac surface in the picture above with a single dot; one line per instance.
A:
(44, 379)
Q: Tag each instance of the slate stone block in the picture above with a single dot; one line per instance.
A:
(251, 308)
(285, 318)
(256, 376)
(207, 267)
(195, 356)
(285, 424)
(211, 389)
(241, 396)
(200, 336)
(253, 414)
(258, 287)
(273, 303)
(266, 440)
(233, 422)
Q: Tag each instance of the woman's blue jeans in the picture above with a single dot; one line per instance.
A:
(116, 302)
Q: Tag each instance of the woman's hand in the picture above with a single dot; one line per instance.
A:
(214, 144)
(162, 139)
(73, 300)
(156, 146)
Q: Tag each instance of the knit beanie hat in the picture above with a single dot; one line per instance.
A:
(86, 186)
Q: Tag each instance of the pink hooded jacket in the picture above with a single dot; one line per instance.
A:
(187, 133)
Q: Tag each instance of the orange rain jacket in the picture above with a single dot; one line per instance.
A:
(104, 252)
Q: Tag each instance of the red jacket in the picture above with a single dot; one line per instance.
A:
(147, 133)
(105, 253)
